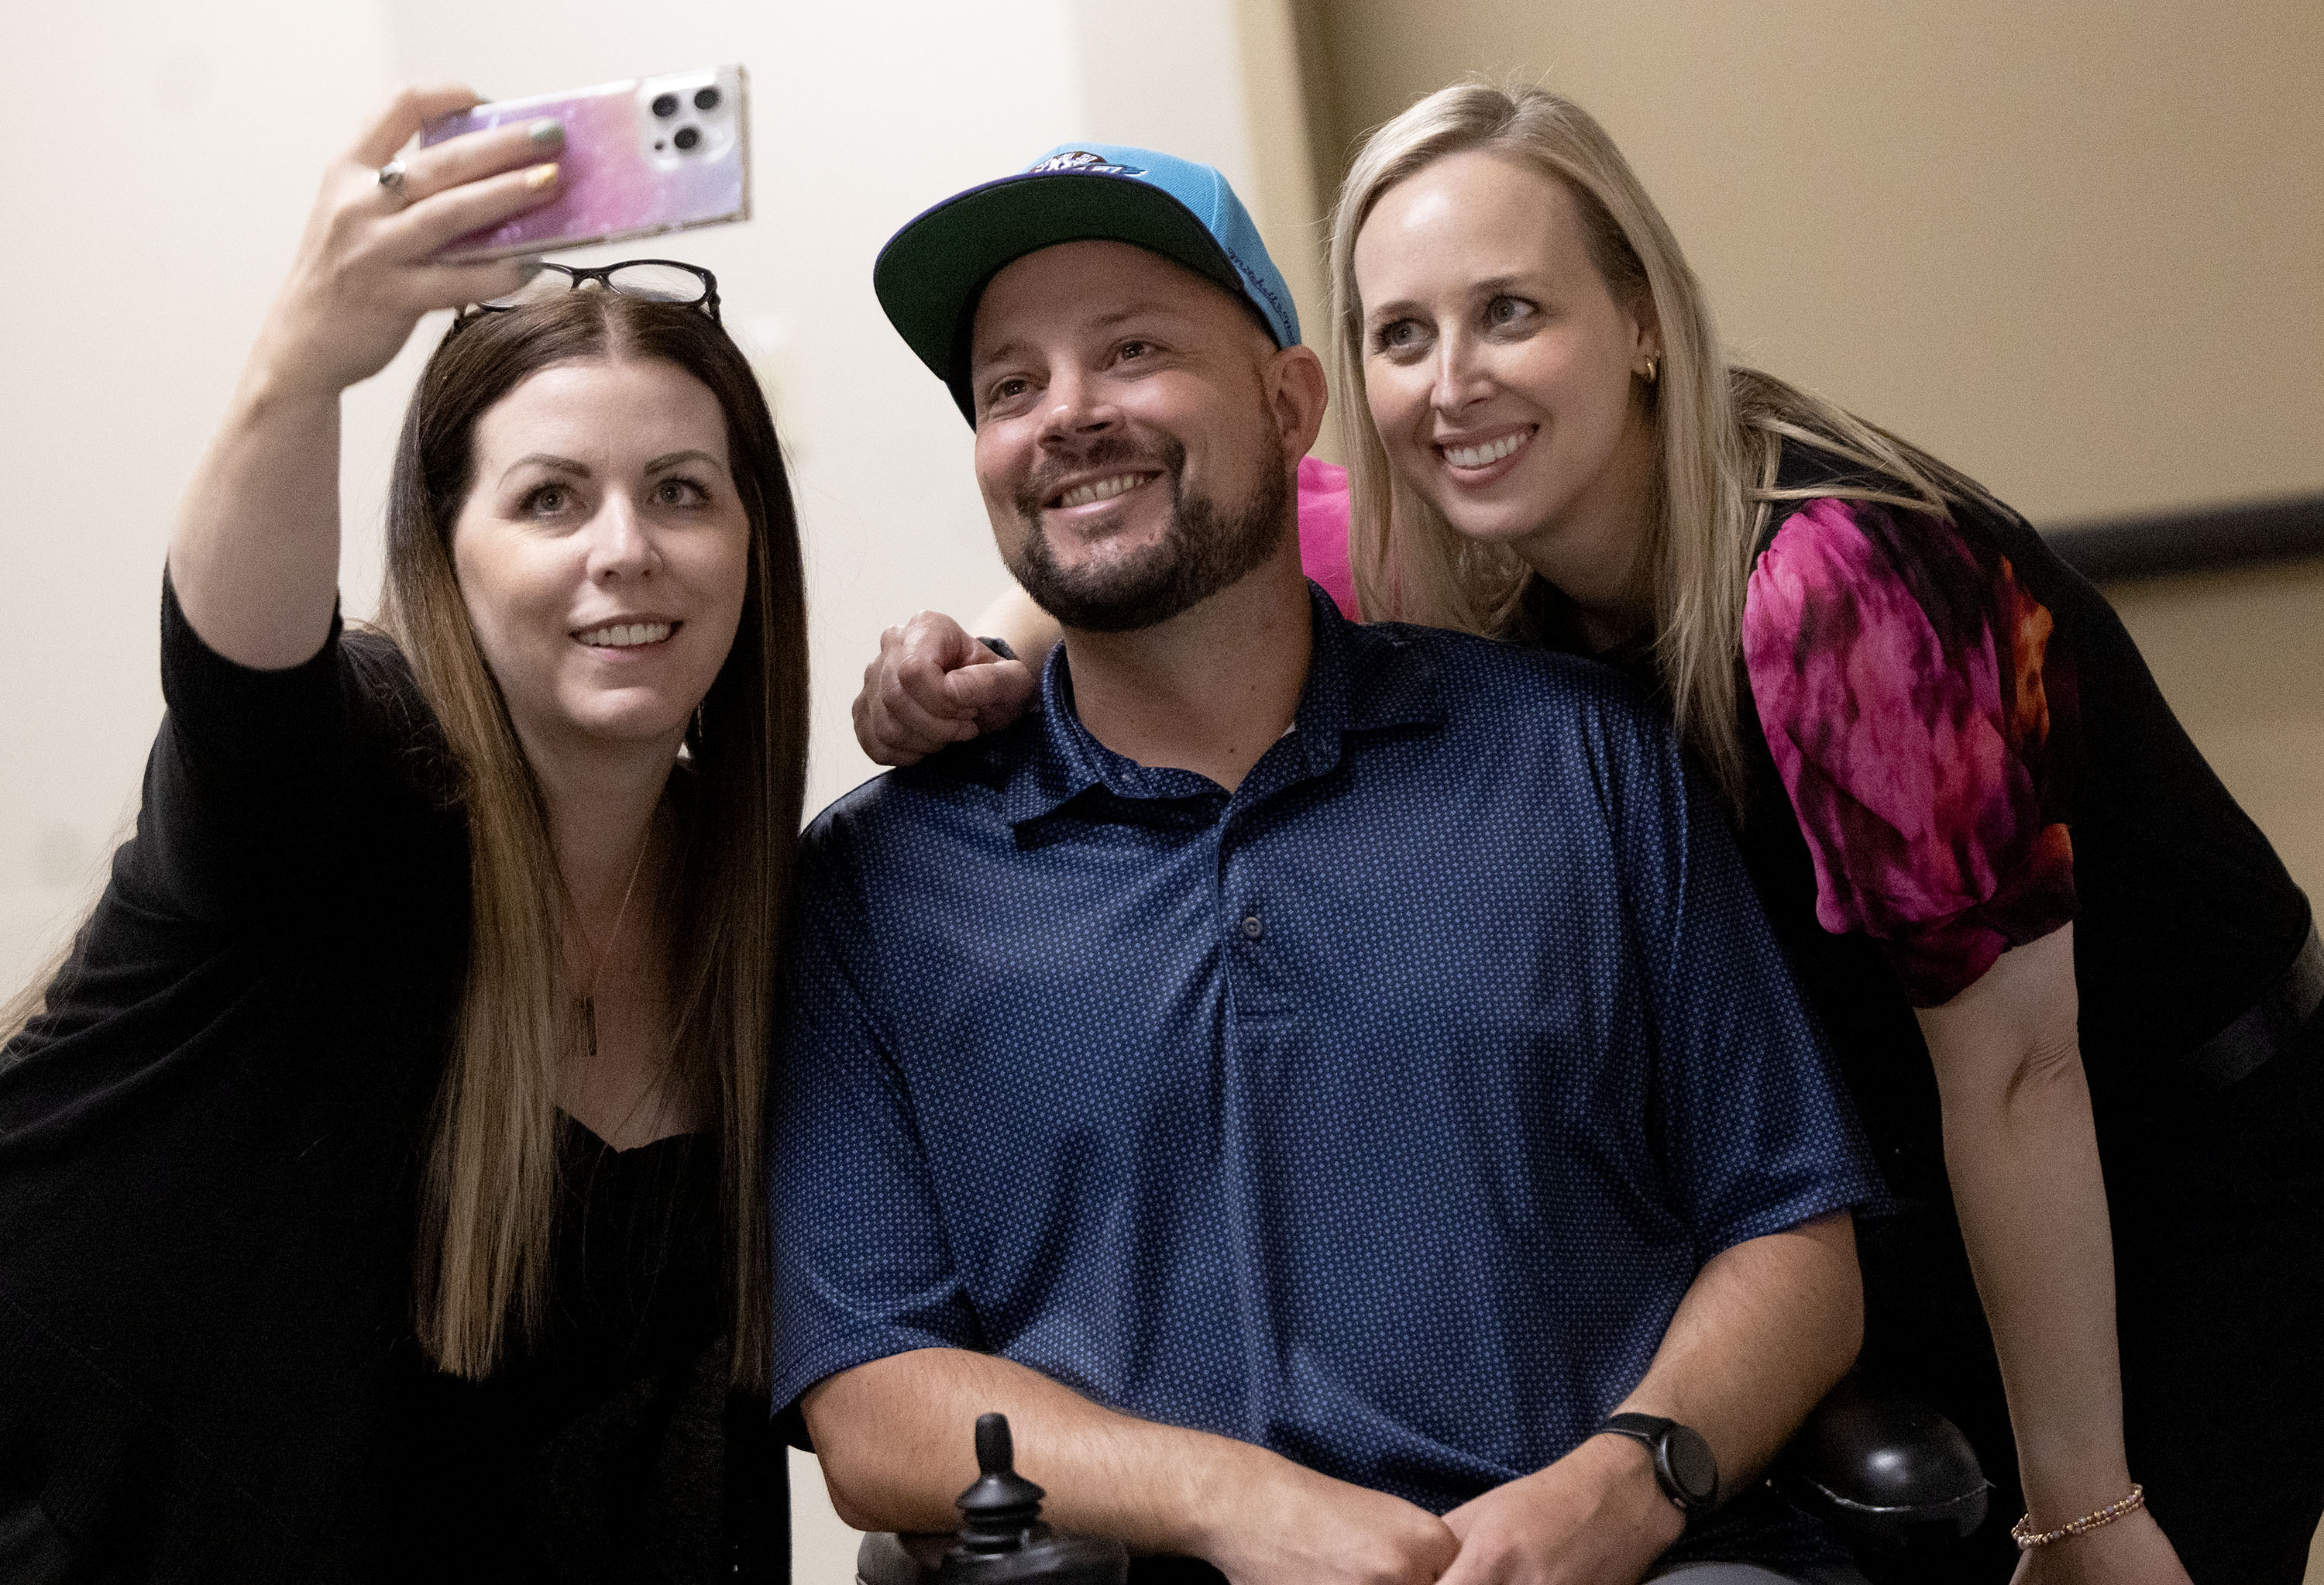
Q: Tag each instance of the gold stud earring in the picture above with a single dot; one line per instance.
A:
(1654, 367)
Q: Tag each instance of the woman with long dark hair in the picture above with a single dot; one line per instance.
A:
(381, 1172)
(2076, 993)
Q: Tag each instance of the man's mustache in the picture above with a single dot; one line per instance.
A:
(1164, 456)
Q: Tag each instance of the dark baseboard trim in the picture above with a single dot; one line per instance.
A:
(2202, 538)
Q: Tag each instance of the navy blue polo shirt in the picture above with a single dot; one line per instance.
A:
(1379, 1113)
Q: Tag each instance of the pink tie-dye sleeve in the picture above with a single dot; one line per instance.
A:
(1911, 699)
(1323, 531)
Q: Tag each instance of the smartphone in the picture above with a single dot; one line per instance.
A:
(642, 157)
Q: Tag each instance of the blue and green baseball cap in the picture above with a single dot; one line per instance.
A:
(932, 272)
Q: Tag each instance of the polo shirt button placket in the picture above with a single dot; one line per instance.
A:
(1252, 929)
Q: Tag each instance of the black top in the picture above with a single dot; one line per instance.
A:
(611, 1450)
(2185, 913)
(210, 1152)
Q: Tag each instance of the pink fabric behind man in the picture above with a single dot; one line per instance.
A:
(1323, 533)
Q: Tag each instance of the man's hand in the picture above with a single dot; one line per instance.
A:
(1594, 1517)
(933, 686)
(2131, 1550)
(1294, 1526)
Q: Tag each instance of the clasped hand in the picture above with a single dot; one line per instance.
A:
(1594, 1517)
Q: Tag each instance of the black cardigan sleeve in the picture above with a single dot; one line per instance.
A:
(239, 789)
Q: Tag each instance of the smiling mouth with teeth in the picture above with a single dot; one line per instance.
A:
(1098, 490)
(1492, 451)
(624, 635)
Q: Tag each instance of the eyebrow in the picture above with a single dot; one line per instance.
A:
(1489, 286)
(549, 460)
(580, 470)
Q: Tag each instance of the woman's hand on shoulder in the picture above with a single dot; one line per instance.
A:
(932, 684)
(365, 269)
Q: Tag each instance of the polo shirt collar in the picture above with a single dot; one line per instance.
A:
(1359, 680)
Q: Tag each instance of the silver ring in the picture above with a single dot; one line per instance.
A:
(390, 177)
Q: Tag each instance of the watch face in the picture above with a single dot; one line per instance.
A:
(1692, 1468)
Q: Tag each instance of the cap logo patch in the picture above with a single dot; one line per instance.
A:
(1082, 163)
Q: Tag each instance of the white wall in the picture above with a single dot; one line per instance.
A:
(158, 169)
(161, 161)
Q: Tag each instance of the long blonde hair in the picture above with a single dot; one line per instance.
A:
(491, 1190)
(1718, 430)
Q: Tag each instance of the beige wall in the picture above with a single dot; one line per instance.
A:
(2077, 248)
(2240, 655)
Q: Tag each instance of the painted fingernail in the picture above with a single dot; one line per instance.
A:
(540, 176)
(546, 132)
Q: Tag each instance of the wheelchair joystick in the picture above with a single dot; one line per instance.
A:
(997, 1510)
(1002, 1540)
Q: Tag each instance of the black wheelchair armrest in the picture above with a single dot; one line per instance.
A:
(918, 1560)
(884, 1559)
(1884, 1471)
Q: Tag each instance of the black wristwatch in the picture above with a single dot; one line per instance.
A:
(1684, 1465)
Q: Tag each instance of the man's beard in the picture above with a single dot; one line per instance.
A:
(1208, 546)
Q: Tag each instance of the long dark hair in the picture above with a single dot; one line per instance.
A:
(492, 1183)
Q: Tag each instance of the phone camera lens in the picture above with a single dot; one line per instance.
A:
(665, 105)
(706, 99)
(686, 137)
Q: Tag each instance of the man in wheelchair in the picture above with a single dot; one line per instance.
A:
(1331, 1086)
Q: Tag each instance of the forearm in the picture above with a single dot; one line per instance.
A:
(894, 1437)
(2022, 1153)
(255, 554)
(2032, 1201)
(1763, 1332)
(1766, 1330)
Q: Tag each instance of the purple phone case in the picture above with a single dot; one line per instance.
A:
(618, 181)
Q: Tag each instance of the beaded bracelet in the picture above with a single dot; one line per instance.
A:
(2027, 1540)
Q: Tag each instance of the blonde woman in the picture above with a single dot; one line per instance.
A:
(381, 1182)
(2075, 991)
